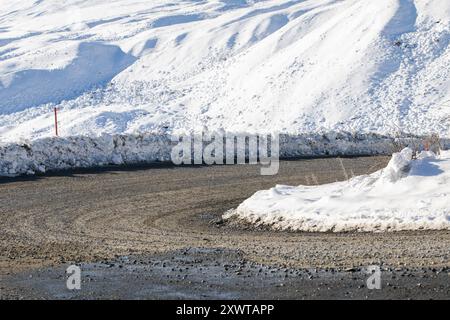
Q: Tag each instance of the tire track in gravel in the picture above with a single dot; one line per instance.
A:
(93, 215)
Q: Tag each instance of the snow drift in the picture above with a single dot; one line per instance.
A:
(406, 195)
(292, 66)
(95, 64)
(53, 154)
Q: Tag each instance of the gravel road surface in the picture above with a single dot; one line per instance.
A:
(136, 230)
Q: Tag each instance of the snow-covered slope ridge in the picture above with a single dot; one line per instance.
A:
(127, 66)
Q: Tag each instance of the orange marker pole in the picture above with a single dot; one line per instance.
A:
(56, 121)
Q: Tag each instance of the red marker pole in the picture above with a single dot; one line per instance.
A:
(56, 121)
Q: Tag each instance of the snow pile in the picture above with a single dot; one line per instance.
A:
(292, 66)
(406, 195)
(399, 166)
(52, 154)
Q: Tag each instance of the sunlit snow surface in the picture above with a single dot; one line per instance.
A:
(129, 66)
(406, 195)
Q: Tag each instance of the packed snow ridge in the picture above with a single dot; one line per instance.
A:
(53, 154)
(292, 66)
(407, 195)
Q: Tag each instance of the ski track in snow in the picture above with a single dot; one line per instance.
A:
(127, 67)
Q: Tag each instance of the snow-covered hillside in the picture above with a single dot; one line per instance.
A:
(127, 66)
(406, 195)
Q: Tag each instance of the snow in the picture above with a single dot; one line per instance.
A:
(94, 64)
(407, 195)
(53, 154)
(130, 67)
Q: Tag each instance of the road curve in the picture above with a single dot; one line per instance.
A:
(95, 215)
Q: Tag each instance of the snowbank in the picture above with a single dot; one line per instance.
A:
(406, 195)
(52, 154)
